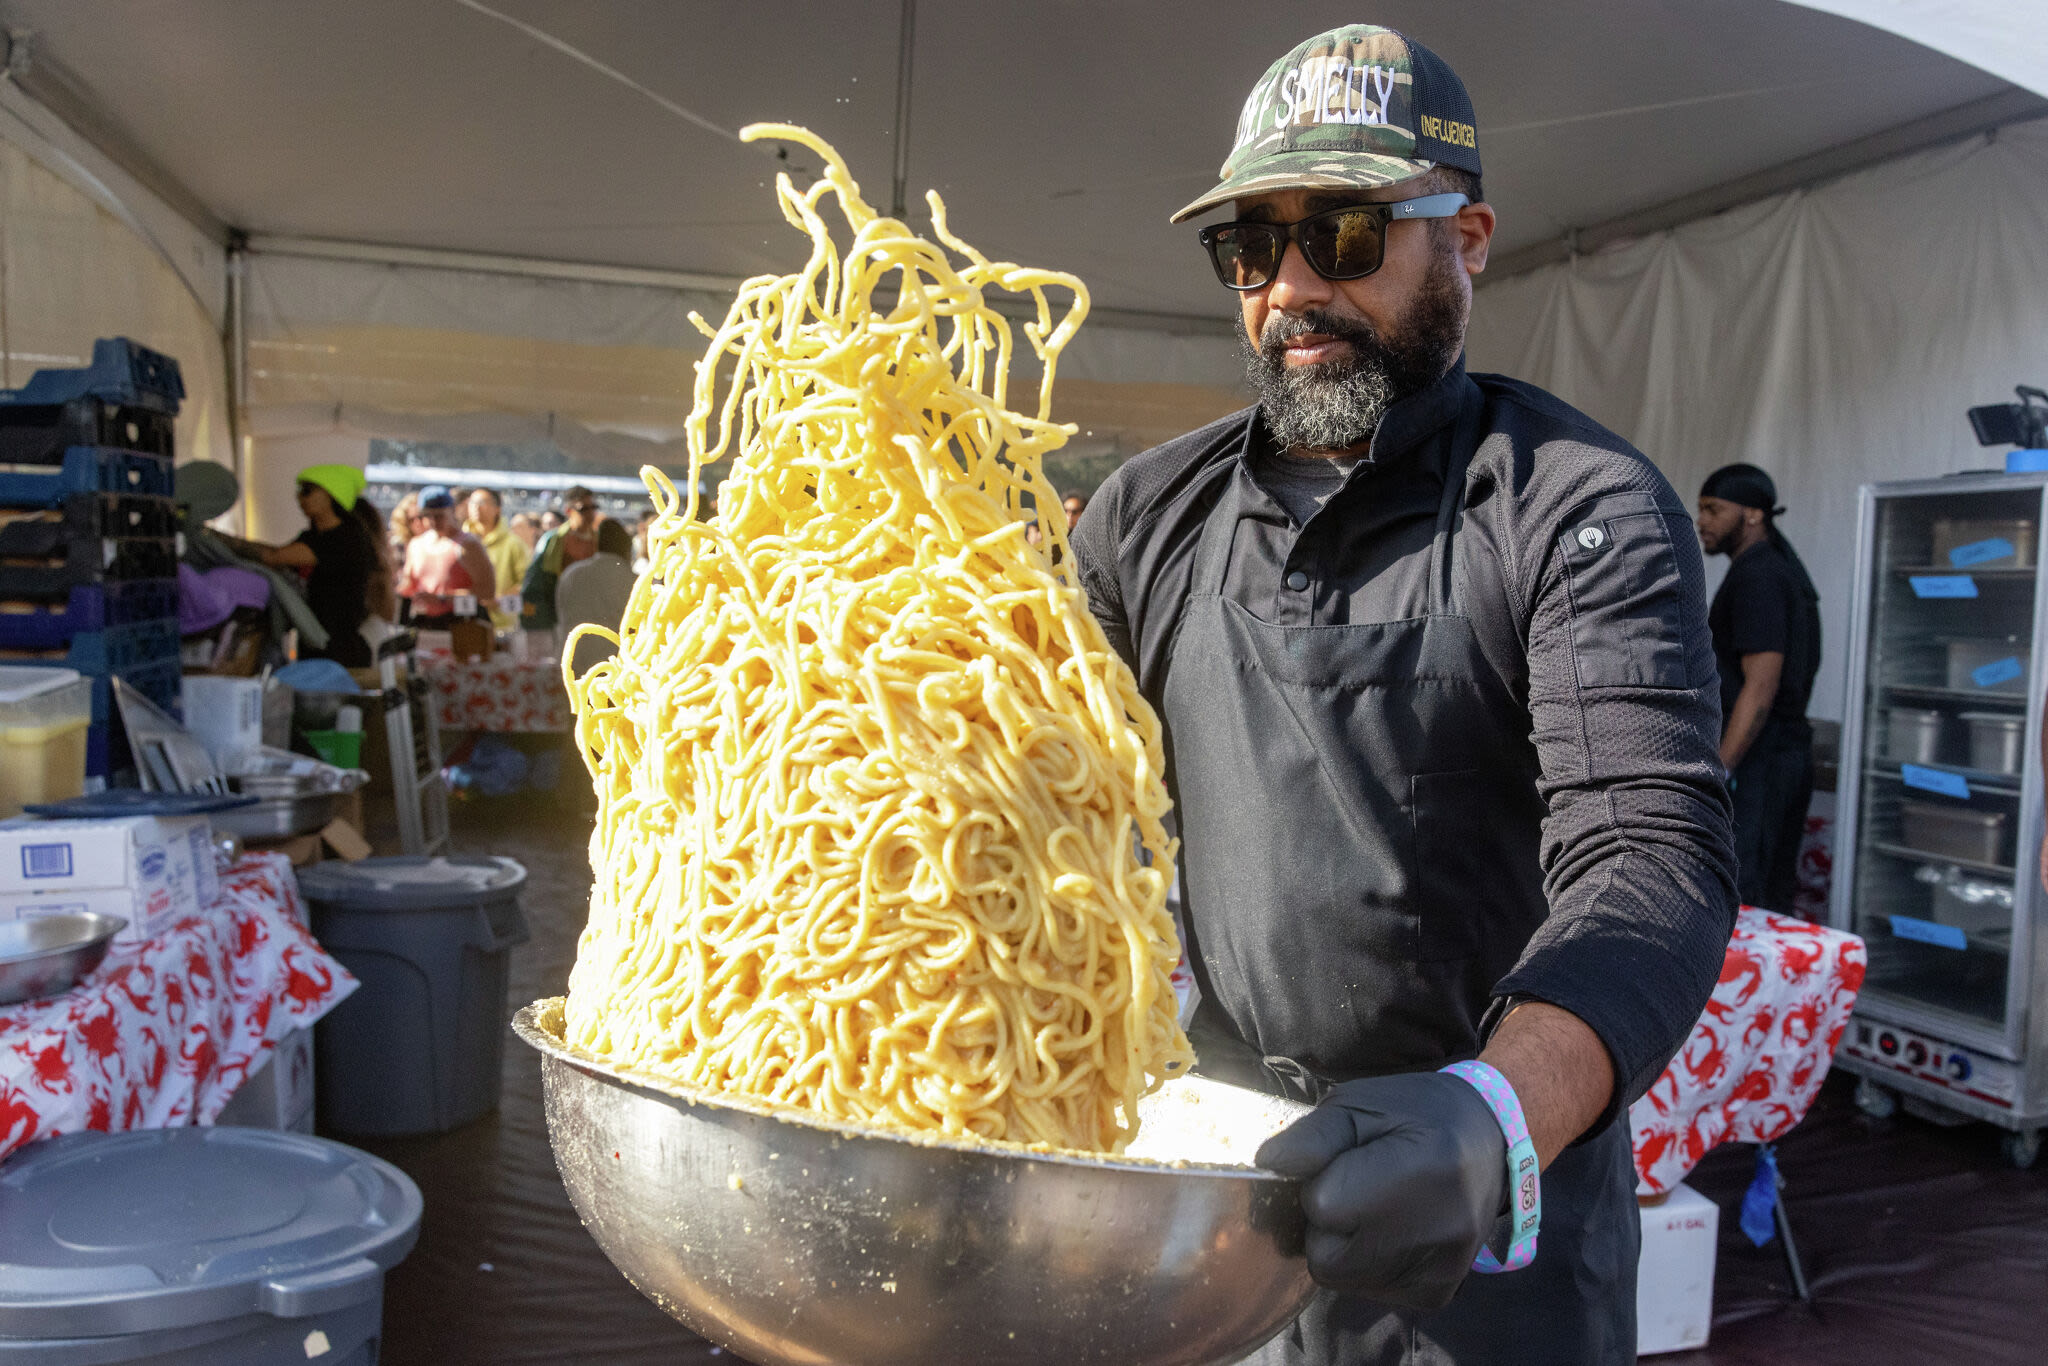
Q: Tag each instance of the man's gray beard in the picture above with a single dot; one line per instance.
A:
(1336, 405)
(1329, 407)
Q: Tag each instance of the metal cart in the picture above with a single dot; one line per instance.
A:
(1940, 804)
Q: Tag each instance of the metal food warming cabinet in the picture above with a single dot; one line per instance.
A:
(1937, 849)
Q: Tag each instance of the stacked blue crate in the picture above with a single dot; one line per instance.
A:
(88, 551)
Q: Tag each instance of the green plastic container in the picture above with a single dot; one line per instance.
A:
(342, 748)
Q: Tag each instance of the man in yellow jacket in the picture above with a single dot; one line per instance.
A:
(508, 554)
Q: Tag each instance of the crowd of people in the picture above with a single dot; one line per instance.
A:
(445, 556)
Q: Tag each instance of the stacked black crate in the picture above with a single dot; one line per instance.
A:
(88, 531)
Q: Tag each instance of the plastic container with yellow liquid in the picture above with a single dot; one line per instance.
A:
(44, 716)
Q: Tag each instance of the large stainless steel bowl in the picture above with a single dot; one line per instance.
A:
(793, 1239)
(49, 954)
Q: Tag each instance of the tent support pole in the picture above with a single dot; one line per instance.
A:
(906, 44)
(237, 339)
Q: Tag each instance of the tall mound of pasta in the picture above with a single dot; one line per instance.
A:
(879, 808)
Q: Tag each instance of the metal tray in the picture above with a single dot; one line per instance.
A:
(275, 818)
(1956, 832)
(113, 802)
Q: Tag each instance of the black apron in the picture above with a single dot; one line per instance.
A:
(1360, 824)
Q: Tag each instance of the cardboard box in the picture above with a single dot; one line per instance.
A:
(1675, 1279)
(279, 1094)
(149, 870)
(302, 850)
(118, 901)
(345, 840)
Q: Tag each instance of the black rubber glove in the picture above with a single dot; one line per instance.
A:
(1406, 1177)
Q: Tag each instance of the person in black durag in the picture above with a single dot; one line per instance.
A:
(1765, 621)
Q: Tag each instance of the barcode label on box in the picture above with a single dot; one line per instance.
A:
(46, 860)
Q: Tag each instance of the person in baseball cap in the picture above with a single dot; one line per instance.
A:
(443, 565)
(1431, 650)
(1356, 108)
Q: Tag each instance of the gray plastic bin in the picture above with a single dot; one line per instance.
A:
(418, 1048)
(198, 1247)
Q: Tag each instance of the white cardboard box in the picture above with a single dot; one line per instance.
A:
(120, 901)
(279, 1095)
(149, 870)
(1675, 1280)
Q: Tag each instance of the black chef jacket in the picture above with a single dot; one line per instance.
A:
(1609, 652)
(1441, 737)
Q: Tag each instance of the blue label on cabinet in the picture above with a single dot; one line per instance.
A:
(1980, 552)
(1927, 932)
(1943, 585)
(1997, 671)
(1935, 780)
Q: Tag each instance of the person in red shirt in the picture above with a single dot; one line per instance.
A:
(442, 563)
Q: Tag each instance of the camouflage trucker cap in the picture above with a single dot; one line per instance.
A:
(1357, 107)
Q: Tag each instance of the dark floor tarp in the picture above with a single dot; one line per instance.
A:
(1921, 1247)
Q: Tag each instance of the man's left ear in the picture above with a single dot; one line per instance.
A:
(1475, 225)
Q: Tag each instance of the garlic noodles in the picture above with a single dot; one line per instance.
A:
(879, 807)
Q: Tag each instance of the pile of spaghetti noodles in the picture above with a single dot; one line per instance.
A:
(879, 808)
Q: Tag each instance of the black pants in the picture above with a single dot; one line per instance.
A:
(1772, 787)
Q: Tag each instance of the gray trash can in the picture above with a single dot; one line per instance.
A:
(198, 1247)
(418, 1048)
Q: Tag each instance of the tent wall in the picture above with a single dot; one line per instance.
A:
(1833, 337)
(72, 271)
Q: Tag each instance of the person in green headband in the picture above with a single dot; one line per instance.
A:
(341, 554)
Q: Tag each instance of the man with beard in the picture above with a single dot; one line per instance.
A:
(1441, 715)
(1765, 622)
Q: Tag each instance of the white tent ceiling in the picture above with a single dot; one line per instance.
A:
(1061, 131)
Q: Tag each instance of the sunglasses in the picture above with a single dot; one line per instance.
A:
(1347, 243)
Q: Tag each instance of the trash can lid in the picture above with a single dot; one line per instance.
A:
(115, 1234)
(412, 882)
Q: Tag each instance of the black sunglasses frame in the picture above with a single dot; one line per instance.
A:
(1426, 206)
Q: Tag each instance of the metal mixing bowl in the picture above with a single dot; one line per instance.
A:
(794, 1239)
(48, 954)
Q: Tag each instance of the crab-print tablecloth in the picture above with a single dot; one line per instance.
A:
(504, 694)
(1758, 1055)
(165, 1031)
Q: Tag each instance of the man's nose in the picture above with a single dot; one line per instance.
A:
(1296, 287)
